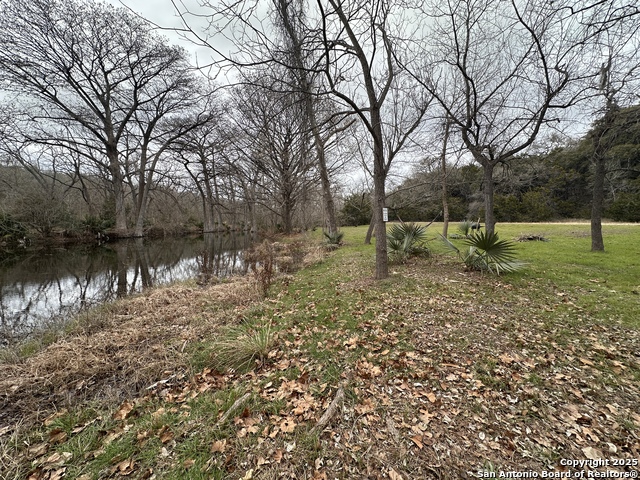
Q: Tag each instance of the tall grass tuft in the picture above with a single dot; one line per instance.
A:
(243, 346)
(261, 261)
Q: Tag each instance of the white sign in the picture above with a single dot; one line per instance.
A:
(385, 214)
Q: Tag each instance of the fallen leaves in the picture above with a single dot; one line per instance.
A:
(287, 425)
(421, 383)
(124, 468)
(124, 411)
(219, 446)
(393, 475)
(417, 440)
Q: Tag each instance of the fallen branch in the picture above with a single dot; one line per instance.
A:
(330, 412)
(532, 238)
(237, 404)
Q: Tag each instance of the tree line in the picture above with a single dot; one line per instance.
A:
(108, 125)
(555, 184)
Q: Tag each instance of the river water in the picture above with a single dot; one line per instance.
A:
(40, 287)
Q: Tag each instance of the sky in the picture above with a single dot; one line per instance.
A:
(163, 14)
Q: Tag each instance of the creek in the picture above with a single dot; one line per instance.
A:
(42, 287)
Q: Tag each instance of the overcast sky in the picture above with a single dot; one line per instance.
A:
(162, 13)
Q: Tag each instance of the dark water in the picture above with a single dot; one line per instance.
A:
(41, 286)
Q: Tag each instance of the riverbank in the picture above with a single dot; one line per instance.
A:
(113, 351)
(442, 371)
(40, 288)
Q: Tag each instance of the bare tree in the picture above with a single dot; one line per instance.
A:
(502, 70)
(92, 68)
(617, 50)
(273, 39)
(276, 144)
(360, 43)
(291, 16)
(202, 151)
(350, 50)
(175, 110)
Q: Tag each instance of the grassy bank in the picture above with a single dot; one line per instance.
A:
(432, 373)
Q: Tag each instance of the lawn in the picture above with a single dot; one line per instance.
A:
(433, 373)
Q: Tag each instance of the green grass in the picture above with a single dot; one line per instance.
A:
(606, 285)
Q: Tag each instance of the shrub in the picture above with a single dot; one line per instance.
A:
(96, 225)
(626, 208)
(261, 260)
(466, 227)
(334, 238)
(487, 253)
(407, 239)
(11, 229)
(356, 209)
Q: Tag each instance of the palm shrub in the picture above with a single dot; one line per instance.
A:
(487, 253)
(407, 239)
(334, 238)
(464, 228)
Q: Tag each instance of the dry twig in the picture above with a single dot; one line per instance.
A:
(237, 404)
(330, 412)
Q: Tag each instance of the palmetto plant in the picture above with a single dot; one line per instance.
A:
(487, 253)
(407, 239)
(334, 238)
(464, 228)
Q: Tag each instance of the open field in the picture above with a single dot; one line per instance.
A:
(434, 373)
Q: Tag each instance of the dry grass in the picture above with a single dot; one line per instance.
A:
(115, 351)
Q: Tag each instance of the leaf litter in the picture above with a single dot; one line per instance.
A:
(436, 382)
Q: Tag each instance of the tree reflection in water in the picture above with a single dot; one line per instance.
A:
(41, 287)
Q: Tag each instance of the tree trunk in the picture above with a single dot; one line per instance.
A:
(445, 194)
(287, 214)
(597, 206)
(209, 213)
(600, 147)
(379, 180)
(143, 200)
(214, 196)
(372, 224)
(117, 182)
(141, 210)
(382, 261)
(327, 196)
(489, 218)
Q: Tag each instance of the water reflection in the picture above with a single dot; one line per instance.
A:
(40, 286)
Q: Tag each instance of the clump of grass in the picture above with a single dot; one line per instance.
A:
(243, 346)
